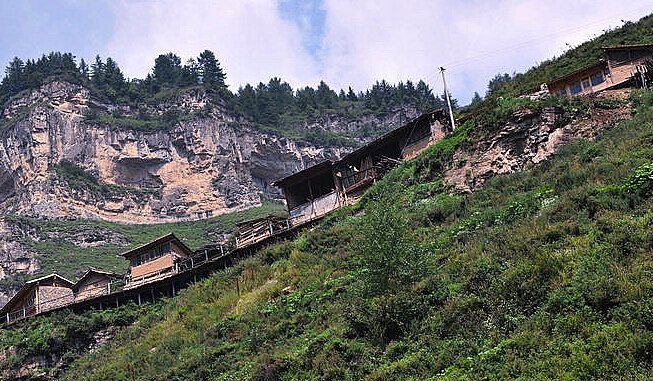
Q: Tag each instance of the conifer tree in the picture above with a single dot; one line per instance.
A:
(211, 74)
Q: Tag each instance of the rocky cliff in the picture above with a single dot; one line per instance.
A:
(531, 136)
(205, 164)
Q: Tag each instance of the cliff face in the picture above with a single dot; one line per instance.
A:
(201, 166)
(527, 138)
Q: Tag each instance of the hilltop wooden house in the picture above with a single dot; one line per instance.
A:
(623, 65)
(94, 283)
(155, 260)
(38, 295)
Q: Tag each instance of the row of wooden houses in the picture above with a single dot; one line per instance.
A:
(53, 291)
(148, 262)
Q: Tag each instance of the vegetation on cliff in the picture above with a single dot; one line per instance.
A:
(274, 106)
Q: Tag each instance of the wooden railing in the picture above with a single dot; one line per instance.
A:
(261, 230)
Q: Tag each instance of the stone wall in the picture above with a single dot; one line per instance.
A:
(51, 297)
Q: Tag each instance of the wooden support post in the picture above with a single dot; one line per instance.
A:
(237, 287)
(139, 298)
(117, 305)
(109, 288)
(194, 278)
(206, 255)
(7, 317)
(173, 289)
(221, 250)
(100, 305)
(192, 263)
(270, 227)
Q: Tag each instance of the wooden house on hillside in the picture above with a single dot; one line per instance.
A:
(155, 260)
(38, 295)
(310, 193)
(317, 190)
(623, 65)
(94, 283)
(357, 171)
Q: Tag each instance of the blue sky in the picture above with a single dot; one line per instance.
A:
(30, 28)
(344, 42)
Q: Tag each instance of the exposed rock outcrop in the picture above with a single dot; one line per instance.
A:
(529, 137)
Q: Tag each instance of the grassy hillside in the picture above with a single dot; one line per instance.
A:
(542, 274)
(61, 247)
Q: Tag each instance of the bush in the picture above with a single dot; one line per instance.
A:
(641, 181)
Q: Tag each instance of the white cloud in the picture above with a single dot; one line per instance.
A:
(364, 40)
(371, 39)
(250, 39)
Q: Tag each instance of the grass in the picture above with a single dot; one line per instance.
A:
(59, 251)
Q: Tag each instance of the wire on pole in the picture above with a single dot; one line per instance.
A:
(446, 94)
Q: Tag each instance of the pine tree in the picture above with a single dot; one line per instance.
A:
(476, 99)
(211, 74)
(325, 96)
(190, 73)
(14, 76)
(83, 68)
(167, 69)
(351, 95)
(97, 72)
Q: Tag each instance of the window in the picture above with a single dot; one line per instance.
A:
(575, 88)
(597, 78)
(30, 301)
(561, 92)
(150, 255)
(586, 84)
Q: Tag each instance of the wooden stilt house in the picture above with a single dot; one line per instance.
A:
(358, 170)
(94, 283)
(310, 193)
(155, 260)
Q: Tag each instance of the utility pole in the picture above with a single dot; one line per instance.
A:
(446, 94)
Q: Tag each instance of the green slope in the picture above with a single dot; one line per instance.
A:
(58, 244)
(542, 274)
